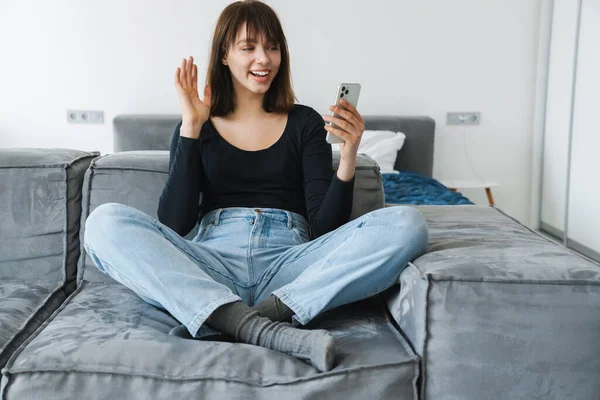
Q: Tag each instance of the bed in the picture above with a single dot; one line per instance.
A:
(411, 182)
(410, 187)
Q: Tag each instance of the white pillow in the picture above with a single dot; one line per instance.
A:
(382, 146)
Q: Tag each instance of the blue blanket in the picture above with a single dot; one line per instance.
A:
(410, 187)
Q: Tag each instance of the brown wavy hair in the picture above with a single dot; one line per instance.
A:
(261, 19)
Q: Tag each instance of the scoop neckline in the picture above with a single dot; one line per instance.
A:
(287, 123)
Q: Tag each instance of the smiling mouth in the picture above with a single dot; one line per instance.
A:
(260, 75)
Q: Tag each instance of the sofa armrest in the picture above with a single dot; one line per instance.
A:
(40, 208)
(368, 185)
(407, 307)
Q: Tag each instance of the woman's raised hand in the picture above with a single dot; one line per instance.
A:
(194, 112)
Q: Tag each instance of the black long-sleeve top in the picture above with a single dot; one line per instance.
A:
(294, 174)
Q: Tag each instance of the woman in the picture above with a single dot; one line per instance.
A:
(275, 245)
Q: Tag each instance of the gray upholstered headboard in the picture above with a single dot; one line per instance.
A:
(154, 132)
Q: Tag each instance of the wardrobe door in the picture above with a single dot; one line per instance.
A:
(558, 114)
(583, 218)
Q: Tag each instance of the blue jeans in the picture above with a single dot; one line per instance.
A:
(248, 254)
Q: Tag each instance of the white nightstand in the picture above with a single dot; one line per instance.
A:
(453, 185)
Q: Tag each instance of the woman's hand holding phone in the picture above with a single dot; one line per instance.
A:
(352, 126)
(194, 112)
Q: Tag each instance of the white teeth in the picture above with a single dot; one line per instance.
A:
(259, 73)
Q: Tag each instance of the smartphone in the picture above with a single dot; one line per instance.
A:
(350, 93)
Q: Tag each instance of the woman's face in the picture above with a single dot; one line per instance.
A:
(253, 64)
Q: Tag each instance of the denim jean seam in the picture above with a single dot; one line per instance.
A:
(297, 234)
(116, 271)
(202, 315)
(264, 279)
(291, 284)
(204, 233)
(326, 242)
(194, 257)
(269, 272)
(301, 227)
(298, 279)
(400, 273)
(308, 252)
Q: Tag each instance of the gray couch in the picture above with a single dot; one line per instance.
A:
(491, 311)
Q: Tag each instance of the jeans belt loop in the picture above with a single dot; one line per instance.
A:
(289, 219)
(217, 215)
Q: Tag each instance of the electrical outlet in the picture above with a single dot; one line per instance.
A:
(85, 117)
(463, 118)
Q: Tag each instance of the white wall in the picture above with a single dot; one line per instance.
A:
(412, 58)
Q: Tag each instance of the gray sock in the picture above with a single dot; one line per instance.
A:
(316, 347)
(274, 309)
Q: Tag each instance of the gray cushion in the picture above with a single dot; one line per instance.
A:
(23, 308)
(40, 207)
(498, 311)
(136, 179)
(107, 343)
